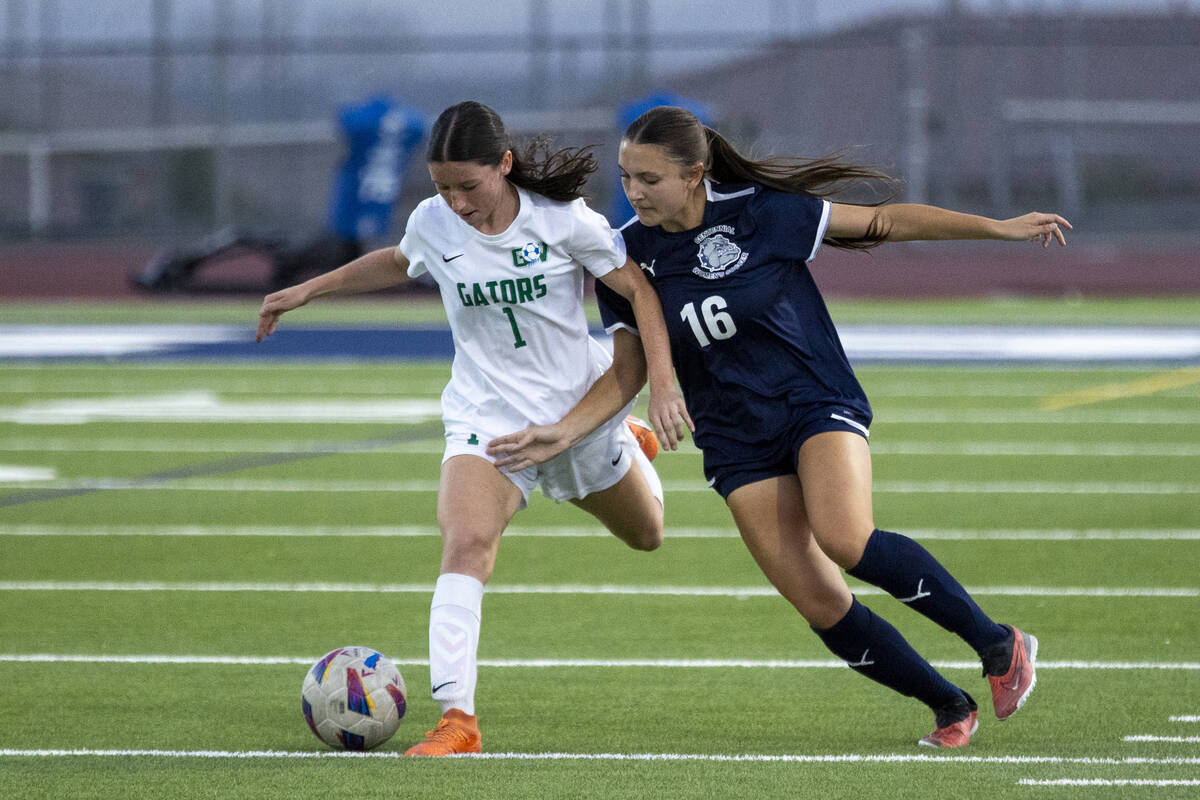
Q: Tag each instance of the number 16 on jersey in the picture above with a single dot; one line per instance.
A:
(711, 321)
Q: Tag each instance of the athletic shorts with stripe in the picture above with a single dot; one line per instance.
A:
(730, 463)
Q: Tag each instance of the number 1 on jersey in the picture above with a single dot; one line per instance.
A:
(719, 324)
(512, 320)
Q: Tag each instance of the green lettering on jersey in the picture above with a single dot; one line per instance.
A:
(512, 291)
(508, 290)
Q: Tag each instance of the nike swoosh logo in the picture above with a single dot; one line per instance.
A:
(451, 258)
(442, 686)
(618, 458)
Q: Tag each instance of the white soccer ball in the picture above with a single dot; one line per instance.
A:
(531, 252)
(353, 698)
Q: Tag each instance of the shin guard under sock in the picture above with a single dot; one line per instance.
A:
(872, 647)
(454, 623)
(907, 571)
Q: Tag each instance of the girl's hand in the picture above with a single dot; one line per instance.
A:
(669, 417)
(1035, 227)
(273, 307)
(535, 445)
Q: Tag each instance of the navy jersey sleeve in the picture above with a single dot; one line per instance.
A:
(615, 310)
(797, 222)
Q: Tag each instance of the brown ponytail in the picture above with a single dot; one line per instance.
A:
(471, 131)
(687, 141)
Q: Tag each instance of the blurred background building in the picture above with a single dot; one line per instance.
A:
(163, 118)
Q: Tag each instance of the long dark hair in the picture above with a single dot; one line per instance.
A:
(687, 141)
(470, 131)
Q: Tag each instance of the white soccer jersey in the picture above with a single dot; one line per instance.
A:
(515, 305)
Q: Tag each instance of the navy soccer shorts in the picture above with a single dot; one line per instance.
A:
(730, 464)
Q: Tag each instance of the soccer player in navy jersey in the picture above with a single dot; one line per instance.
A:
(778, 413)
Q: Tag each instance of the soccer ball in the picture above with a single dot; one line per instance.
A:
(353, 698)
(531, 252)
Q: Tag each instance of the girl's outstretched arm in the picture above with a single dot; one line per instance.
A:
(905, 222)
(375, 270)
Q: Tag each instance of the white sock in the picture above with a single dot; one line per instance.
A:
(454, 621)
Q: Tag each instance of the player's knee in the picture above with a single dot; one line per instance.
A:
(651, 539)
(646, 536)
(844, 547)
(821, 609)
(468, 552)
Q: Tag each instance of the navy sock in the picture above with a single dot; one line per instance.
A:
(872, 647)
(906, 571)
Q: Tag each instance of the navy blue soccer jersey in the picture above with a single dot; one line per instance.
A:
(753, 344)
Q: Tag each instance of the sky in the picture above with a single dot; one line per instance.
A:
(423, 50)
(92, 20)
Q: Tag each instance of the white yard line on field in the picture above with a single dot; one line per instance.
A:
(432, 447)
(573, 589)
(44, 383)
(572, 532)
(1185, 718)
(17, 474)
(833, 758)
(1008, 416)
(942, 389)
(248, 386)
(1023, 449)
(961, 370)
(435, 447)
(570, 663)
(204, 405)
(1147, 737)
(1158, 783)
(678, 487)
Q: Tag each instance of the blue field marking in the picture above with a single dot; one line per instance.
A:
(357, 343)
(220, 342)
(863, 343)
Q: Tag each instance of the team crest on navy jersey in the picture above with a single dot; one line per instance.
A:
(719, 256)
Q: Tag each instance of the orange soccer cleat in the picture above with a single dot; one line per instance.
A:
(644, 434)
(1011, 689)
(955, 724)
(456, 732)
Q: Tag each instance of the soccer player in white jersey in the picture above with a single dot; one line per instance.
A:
(508, 239)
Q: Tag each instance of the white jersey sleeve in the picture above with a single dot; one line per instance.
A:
(592, 242)
(411, 245)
